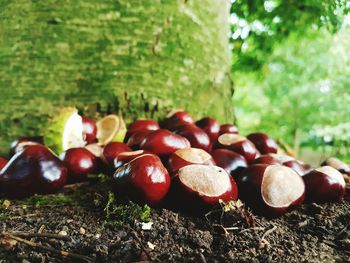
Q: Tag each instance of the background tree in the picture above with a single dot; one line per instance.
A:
(136, 58)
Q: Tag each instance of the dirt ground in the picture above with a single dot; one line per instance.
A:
(312, 233)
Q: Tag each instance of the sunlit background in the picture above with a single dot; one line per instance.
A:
(291, 67)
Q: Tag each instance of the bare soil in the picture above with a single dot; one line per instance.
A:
(312, 233)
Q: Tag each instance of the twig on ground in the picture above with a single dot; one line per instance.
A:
(40, 235)
(22, 216)
(41, 228)
(343, 230)
(269, 232)
(210, 213)
(232, 228)
(252, 228)
(263, 242)
(49, 249)
(226, 229)
(303, 223)
(76, 185)
(221, 227)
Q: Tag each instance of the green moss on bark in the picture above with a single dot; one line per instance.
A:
(136, 58)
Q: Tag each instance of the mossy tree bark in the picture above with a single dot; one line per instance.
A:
(136, 58)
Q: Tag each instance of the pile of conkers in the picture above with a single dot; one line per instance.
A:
(191, 165)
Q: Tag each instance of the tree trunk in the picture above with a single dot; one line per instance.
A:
(136, 58)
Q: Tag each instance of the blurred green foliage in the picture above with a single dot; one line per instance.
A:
(258, 26)
(292, 74)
